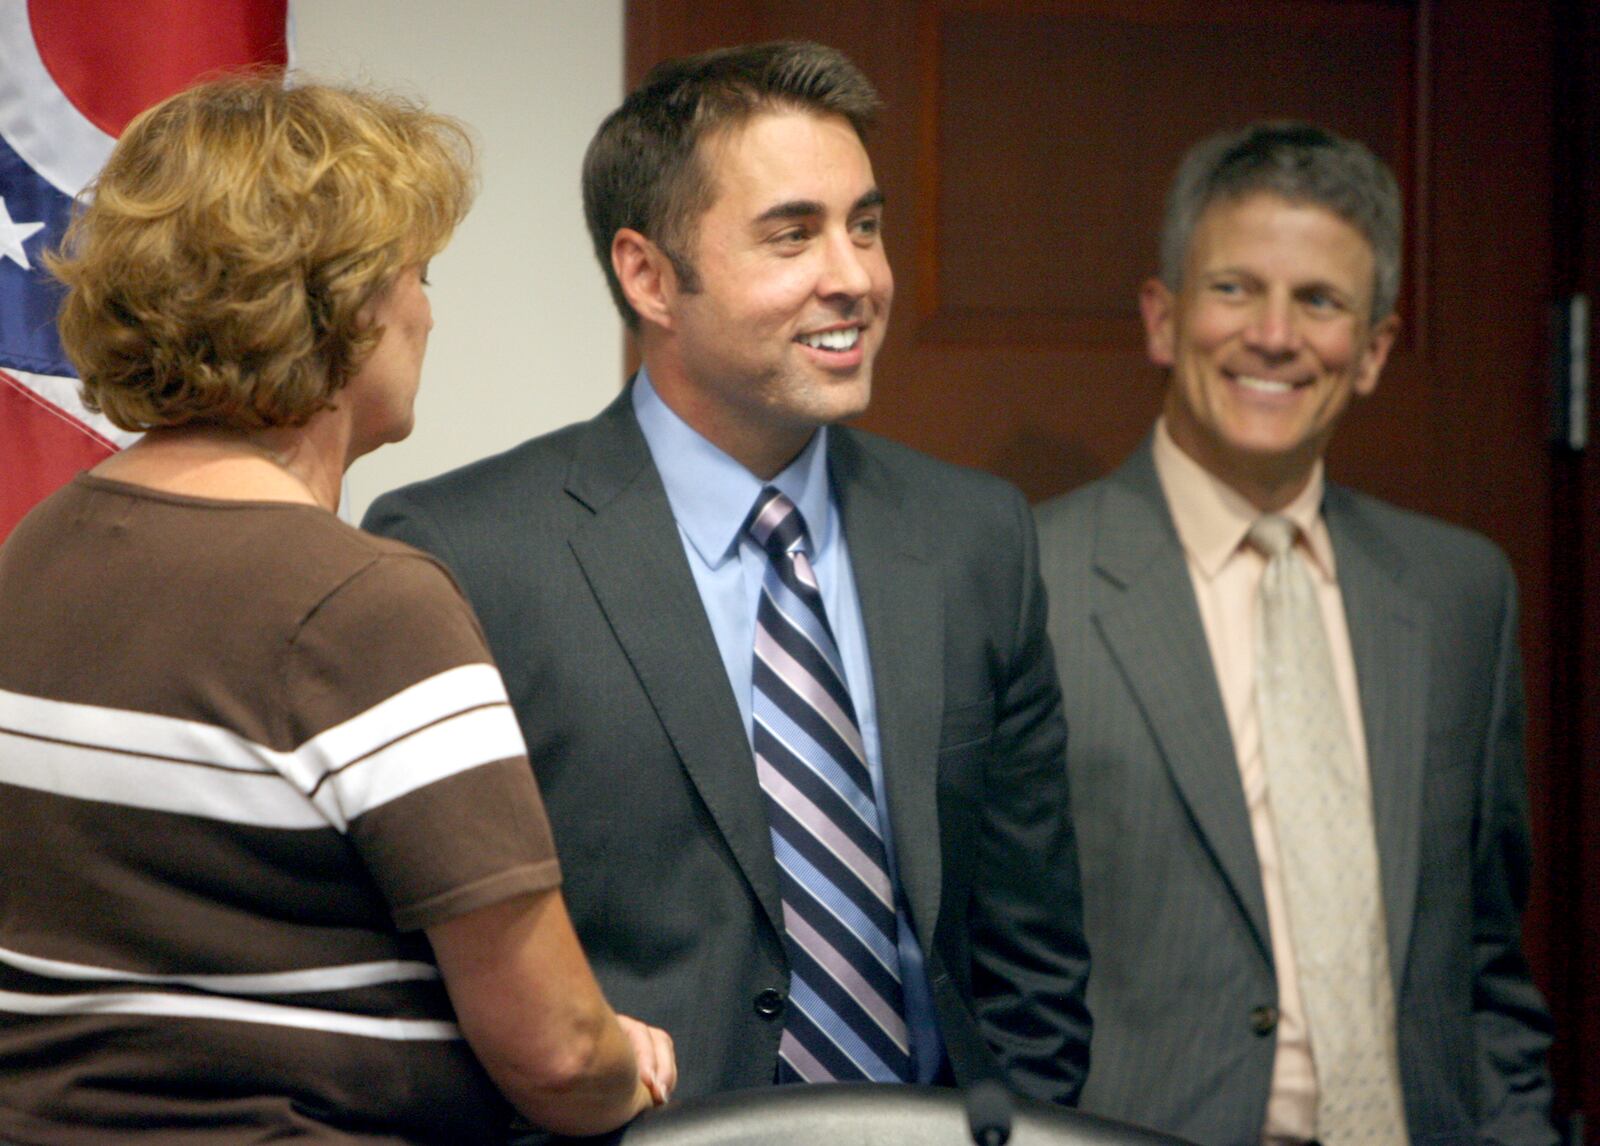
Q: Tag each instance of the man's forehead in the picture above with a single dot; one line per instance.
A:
(1298, 224)
(734, 130)
(726, 163)
(1267, 202)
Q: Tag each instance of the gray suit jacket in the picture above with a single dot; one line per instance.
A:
(568, 550)
(1183, 994)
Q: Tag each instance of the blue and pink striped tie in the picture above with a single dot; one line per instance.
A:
(846, 1017)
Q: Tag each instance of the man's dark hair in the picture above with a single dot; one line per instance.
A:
(644, 168)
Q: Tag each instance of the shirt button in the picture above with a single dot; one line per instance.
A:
(1264, 1020)
(769, 1003)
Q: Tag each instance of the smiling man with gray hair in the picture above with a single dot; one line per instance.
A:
(1296, 756)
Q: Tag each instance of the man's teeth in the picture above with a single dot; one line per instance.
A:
(833, 339)
(1265, 385)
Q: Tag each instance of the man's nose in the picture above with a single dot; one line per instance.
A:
(1273, 327)
(845, 269)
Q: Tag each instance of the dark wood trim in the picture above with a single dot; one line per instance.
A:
(1575, 574)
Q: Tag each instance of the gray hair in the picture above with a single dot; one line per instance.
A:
(1302, 163)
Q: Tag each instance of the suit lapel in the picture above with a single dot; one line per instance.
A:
(1389, 641)
(902, 608)
(1151, 623)
(631, 553)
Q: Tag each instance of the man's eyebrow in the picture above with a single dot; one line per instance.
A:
(793, 209)
(809, 208)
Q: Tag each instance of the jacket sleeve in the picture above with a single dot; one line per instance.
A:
(1513, 1027)
(1030, 960)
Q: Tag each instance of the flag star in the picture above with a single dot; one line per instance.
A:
(12, 236)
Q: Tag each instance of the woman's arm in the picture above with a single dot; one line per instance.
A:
(532, 1012)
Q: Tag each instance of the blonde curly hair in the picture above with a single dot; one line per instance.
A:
(218, 268)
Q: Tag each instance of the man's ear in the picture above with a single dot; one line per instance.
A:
(1376, 354)
(646, 276)
(1158, 309)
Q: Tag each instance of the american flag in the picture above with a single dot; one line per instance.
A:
(72, 74)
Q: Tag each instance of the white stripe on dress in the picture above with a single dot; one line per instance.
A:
(451, 722)
(174, 1006)
(349, 976)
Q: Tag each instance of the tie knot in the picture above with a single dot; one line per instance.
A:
(1273, 534)
(775, 523)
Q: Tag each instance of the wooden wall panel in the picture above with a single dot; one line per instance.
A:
(1046, 219)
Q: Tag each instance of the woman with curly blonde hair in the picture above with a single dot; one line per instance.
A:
(275, 863)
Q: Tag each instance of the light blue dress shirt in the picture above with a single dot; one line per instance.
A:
(711, 495)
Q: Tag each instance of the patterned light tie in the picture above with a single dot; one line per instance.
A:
(1329, 854)
(846, 1017)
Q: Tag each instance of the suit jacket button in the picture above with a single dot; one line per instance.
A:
(769, 1004)
(1264, 1020)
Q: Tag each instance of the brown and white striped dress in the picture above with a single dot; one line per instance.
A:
(246, 753)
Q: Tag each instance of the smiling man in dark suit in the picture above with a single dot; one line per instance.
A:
(1296, 757)
(786, 685)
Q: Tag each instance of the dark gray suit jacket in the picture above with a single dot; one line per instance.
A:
(1183, 994)
(567, 548)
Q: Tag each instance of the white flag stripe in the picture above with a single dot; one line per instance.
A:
(310, 979)
(42, 126)
(825, 831)
(166, 764)
(177, 1006)
(63, 394)
(793, 674)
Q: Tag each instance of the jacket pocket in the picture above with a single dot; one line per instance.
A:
(967, 724)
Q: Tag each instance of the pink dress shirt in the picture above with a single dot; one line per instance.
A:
(1212, 520)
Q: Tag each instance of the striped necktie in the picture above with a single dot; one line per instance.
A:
(846, 1018)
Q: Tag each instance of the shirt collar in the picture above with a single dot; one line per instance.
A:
(1212, 517)
(711, 493)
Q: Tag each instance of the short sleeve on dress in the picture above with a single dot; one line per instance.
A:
(410, 746)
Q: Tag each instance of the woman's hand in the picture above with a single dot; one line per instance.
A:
(658, 1062)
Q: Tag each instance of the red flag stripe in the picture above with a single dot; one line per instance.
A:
(41, 448)
(82, 43)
